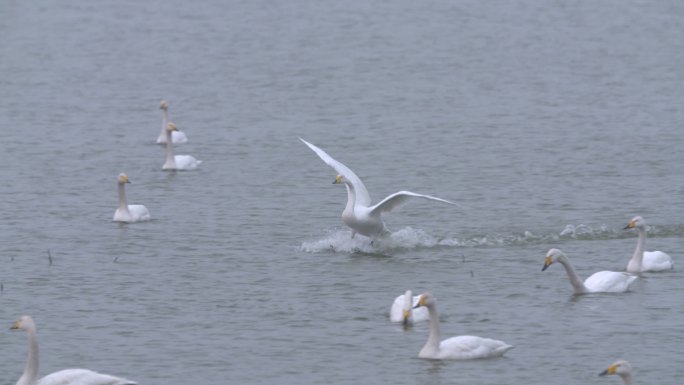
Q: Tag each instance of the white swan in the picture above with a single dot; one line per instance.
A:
(177, 162)
(62, 377)
(359, 215)
(622, 368)
(456, 348)
(402, 309)
(600, 282)
(126, 212)
(177, 136)
(646, 260)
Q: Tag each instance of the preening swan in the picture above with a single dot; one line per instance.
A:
(177, 136)
(402, 309)
(126, 212)
(62, 377)
(177, 162)
(359, 215)
(600, 282)
(455, 348)
(622, 368)
(646, 260)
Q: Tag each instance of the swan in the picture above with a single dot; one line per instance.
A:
(646, 260)
(62, 377)
(600, 282)
(177, 136)
(177, 162)
(359, 215)
(402, 309)
(622, 368)
(126, 212)
(455, 348)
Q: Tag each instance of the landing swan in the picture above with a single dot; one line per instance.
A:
(456, 348)
(126, 212)
(177, 136)
(359, 215)
(646, 260)
(62, 377)
(177, 162)
(600, 282)
(622, 368)
(402, 309)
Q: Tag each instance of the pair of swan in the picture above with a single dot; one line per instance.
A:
(62, 377)
(359, 214)
(129, 213)
(402, 309)
(646, 260)
(622, 368)
(455, 348)
(600, 282)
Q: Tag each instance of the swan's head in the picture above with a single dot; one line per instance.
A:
(636, 222)
(171, 127)
(339, 179)
(552, 256)
(622, 368)
(24, 323)
(425, 299)
(123, 178)
(408, 304)
(164, 105)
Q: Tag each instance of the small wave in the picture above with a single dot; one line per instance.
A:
(411, 239)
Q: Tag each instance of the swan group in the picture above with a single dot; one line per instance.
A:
(125, 212)
(600, 282)
(402, 309)
(359, 214)
(455, 348)
(646, 260)
(62, 377)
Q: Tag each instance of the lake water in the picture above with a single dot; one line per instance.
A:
(550, 123)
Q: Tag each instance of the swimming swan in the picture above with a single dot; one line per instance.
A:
(646, 260)
(402, 309)
(456, 348)
(359, 215)
(622, 368)
(177, 136)
(600, 282)
(126, 212)
(62, 377)
(177, 162)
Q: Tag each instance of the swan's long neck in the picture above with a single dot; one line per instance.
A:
(351, 197)
(638, 257)
(170, 160)
(123, 205)
(432, 344)
(165, 120)
(575, 281)
(627, 378)
(30, 376)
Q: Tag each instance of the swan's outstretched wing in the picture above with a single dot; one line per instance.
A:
(82, 377)
(398, 199)
(362, 196)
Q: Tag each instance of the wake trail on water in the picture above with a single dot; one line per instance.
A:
(409, 238)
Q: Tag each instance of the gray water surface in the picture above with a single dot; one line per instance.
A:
(550, 123)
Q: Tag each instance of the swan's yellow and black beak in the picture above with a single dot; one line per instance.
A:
(406, 313)
(338, 179)
(16, 325)
(630, 225)
(611, 370)
(547, 262)
(421, 302)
